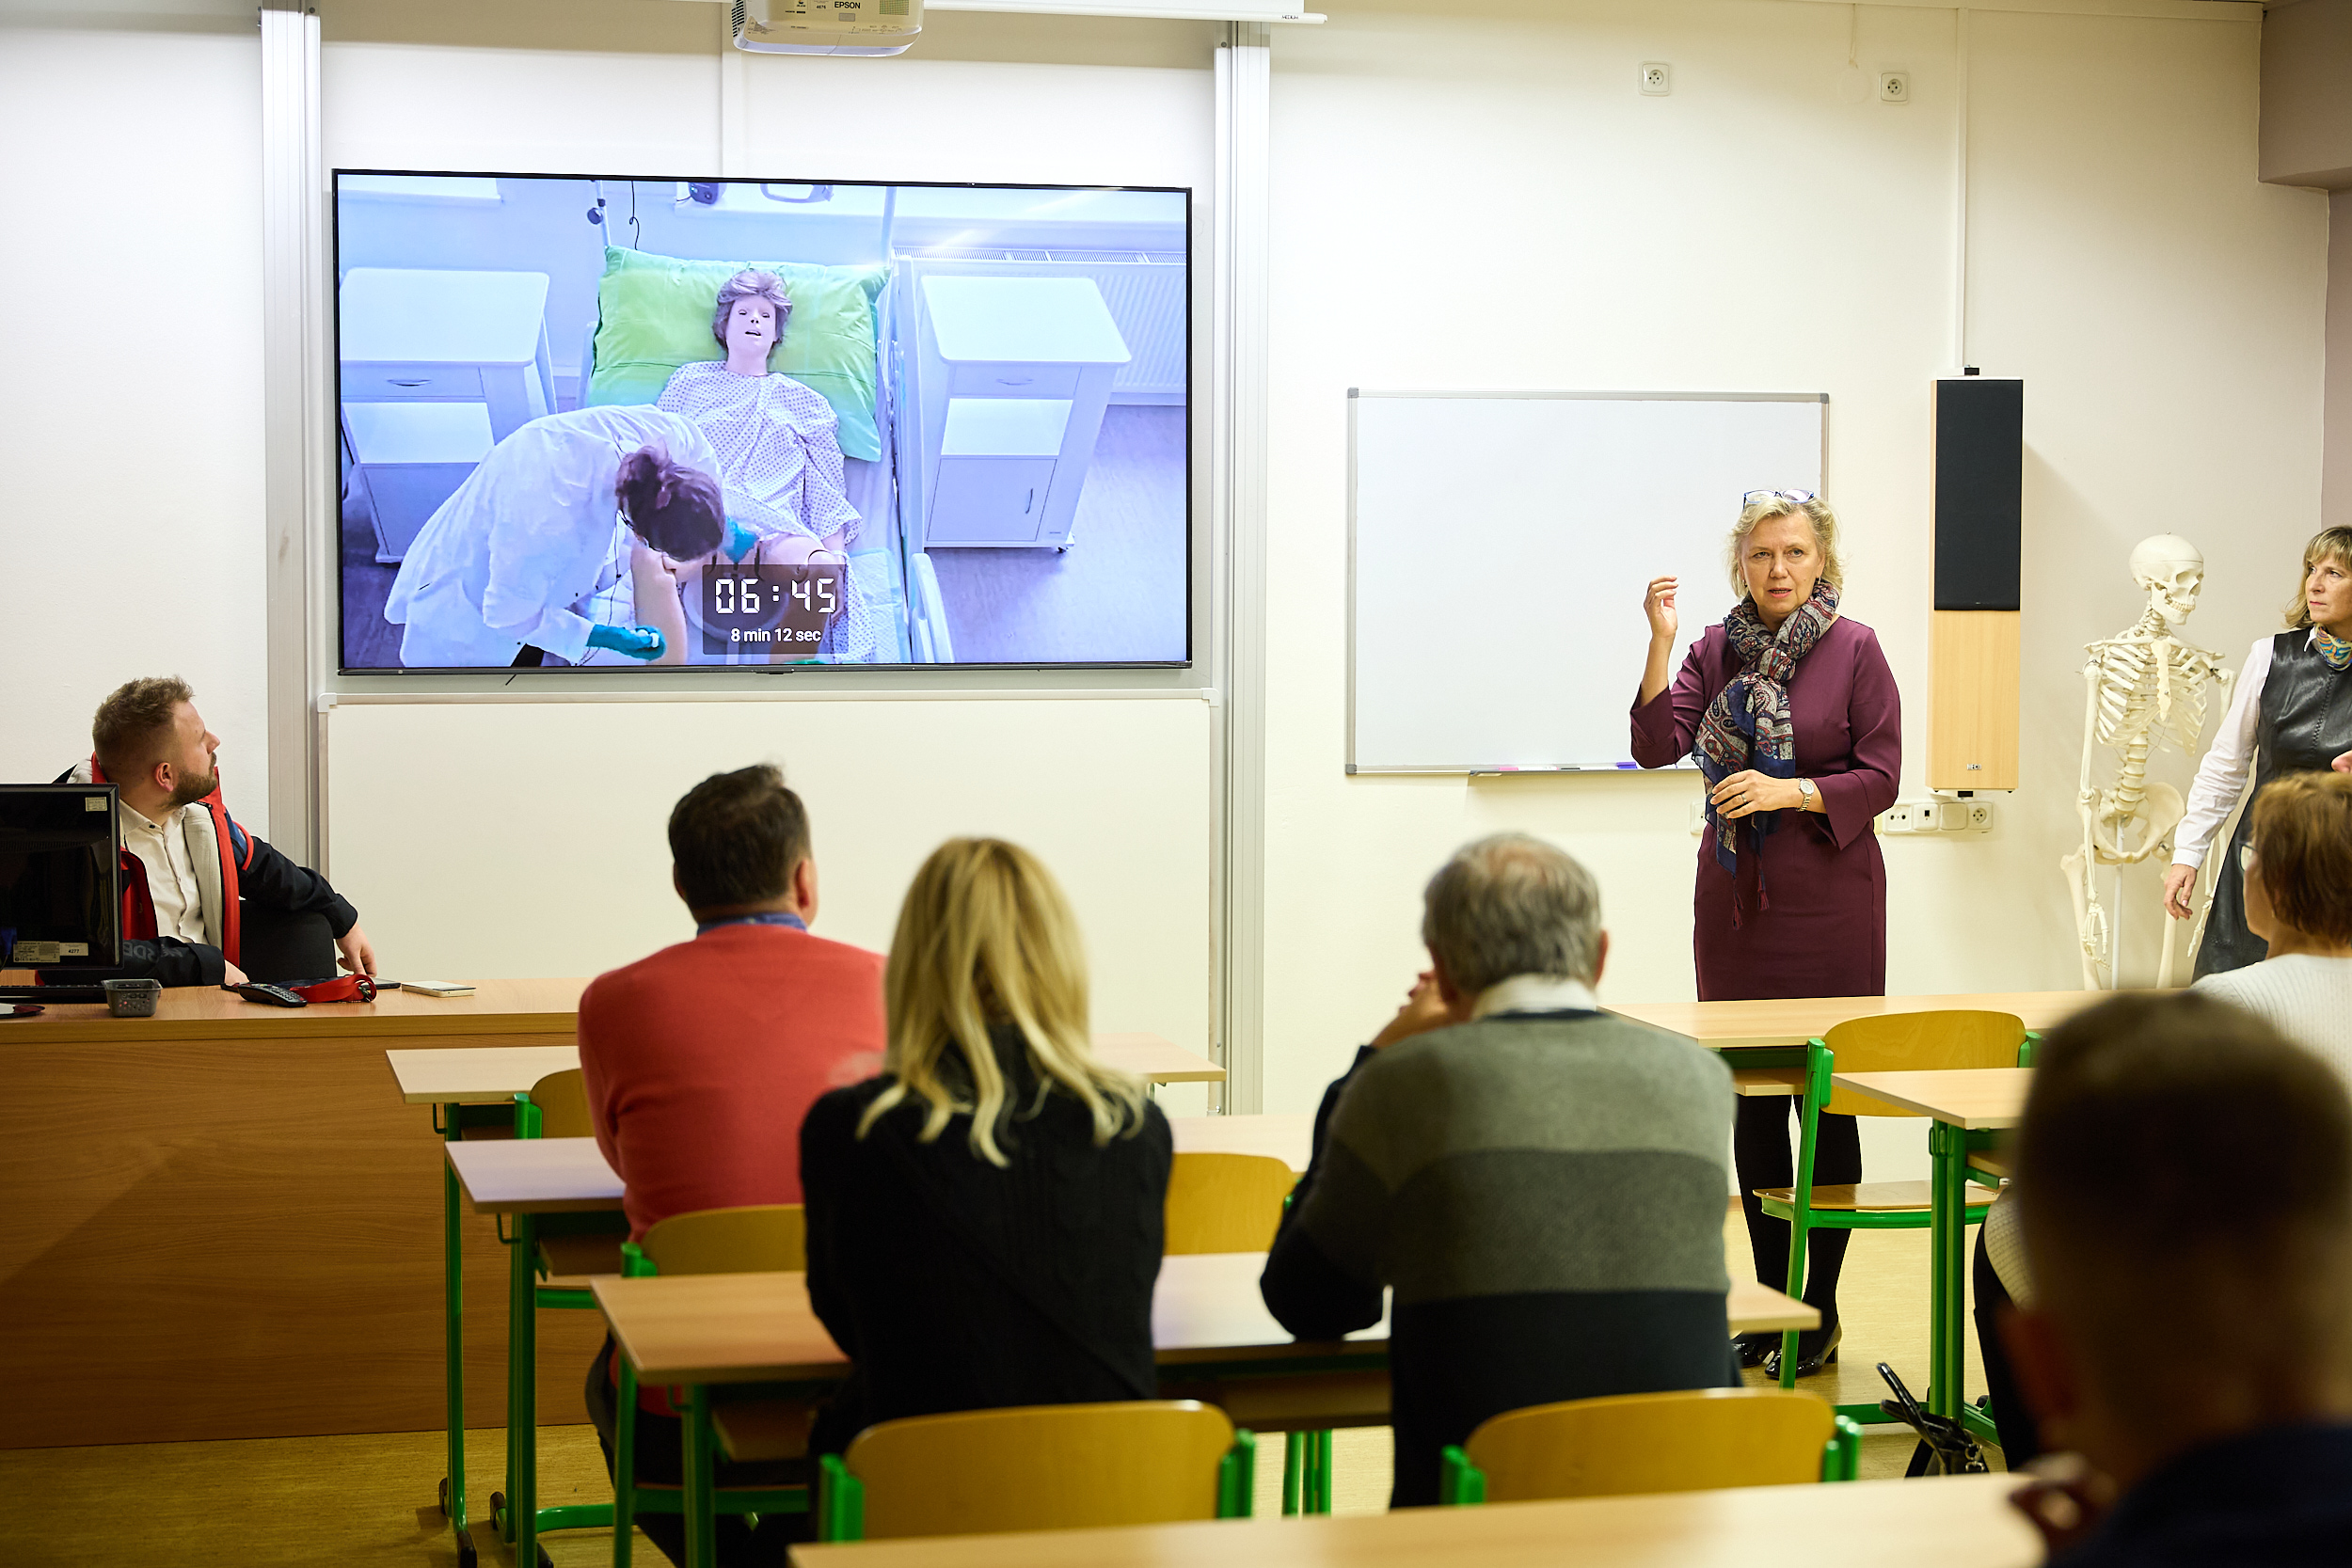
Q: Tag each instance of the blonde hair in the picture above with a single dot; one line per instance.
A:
(1817, 511)
(2329, 544)
(750, 283)
(986, 937)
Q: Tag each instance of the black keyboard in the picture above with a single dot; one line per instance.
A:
(60, 995)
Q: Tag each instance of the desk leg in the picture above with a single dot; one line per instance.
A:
(453, 1344)
(702, 1547)
(522, 1370)
(1948, 1151)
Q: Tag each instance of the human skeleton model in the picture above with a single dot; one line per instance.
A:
(2146, 686)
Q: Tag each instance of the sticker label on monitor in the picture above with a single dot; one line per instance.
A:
(93, 802)
(774, 610)
(35, 954)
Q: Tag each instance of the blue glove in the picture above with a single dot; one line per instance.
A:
(632, 642)
(738, 541)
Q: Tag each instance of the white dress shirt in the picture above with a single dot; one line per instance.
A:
(171, 884)
(1534, 994)
(2221, 777)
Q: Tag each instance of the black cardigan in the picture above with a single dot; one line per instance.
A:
(953, 1284)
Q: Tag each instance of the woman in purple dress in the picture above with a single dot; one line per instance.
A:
(1791, 714)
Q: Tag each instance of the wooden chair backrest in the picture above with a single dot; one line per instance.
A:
(767, 1238)
(1631, 1443)
(1225, 1202)
(562, 1101)
(1918, 1042)
(1047, 1467)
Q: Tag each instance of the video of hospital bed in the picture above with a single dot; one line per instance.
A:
(945, 423)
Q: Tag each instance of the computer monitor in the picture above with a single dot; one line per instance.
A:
(60, 878)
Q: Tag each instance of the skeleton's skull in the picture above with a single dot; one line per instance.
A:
(2172, 570)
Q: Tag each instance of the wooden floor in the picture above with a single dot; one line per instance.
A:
(359, 1500)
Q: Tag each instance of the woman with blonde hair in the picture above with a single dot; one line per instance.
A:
(985, 1218)
(1791, 714)
(2291, 713)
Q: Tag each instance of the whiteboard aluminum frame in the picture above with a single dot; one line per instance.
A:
(1354, 394)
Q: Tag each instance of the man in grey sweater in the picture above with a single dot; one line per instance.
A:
(1541, 1184)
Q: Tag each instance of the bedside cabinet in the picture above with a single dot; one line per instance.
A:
(1011, 377)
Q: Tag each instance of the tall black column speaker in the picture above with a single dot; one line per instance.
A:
(1978, 457)
(1980, 478)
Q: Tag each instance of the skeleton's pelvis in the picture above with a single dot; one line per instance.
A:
(2127, 840)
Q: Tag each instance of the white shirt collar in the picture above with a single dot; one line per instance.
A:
(1534, 994)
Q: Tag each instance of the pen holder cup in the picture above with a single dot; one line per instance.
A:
(133, 998)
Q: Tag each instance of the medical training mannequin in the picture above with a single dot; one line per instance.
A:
(501, 573)
(779, 452)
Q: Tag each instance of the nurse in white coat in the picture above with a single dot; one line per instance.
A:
(543, 522)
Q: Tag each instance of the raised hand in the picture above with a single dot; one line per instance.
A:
(1659, 604)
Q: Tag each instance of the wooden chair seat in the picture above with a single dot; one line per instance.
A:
(750, 1430)
(1993, 1161)
(1871, 1197)
(570, 1262)
(1635, 1442)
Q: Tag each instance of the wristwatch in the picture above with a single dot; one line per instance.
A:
(1804, 791)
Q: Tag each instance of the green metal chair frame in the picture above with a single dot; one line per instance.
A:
(631, 1496)
(527, 1232)
(1803, 1219)
(841, 1496)
(1462, 1484)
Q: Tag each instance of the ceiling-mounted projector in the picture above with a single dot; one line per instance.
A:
(827, 27)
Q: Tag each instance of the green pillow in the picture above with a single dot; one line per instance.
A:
(653, 314)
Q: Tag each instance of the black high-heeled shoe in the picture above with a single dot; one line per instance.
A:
(1812, 1355)
(1753, 1349)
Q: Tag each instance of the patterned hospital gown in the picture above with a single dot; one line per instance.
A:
(781, 461)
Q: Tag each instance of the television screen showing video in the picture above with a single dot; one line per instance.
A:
(641, 424)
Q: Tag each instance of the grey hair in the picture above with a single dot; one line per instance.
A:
(750, 283)
(1512, 903)
(1817, 511)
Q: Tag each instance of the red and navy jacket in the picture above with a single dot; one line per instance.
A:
(251, 873)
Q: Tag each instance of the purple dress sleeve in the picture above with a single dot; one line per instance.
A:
(1875, 716)
(1664, 725)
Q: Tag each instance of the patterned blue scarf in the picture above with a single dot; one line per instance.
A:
(1747, 725)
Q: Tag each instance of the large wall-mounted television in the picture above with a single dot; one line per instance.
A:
(652, 424)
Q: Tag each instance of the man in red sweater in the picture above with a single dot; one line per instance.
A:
(701, 1060)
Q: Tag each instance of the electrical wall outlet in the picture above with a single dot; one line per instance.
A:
(1894, 86)
(1658, 78)
(1698, 817)
(1937, 816)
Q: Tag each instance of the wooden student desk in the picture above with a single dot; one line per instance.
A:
(1214, 1338)
(1958, 1519)
(1969, 1108)
(1793, 1020)
(473, 1087)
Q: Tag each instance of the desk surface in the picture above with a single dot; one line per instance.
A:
(1793, 1020)
(1960, 1519)
(758, 1328)
(207, 1012)
(1978, 1099)
(550, 1176)
(481, 1074)
(1289, 1138)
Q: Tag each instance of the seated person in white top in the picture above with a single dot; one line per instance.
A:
(2298, 899)
(189, 872)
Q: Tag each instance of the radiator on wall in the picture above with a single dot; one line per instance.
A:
(1144, 291)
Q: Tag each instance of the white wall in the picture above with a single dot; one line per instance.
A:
(130, 536)
(525, 839)
(1488, 202)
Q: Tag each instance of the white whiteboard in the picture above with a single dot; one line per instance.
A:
(1499, 544)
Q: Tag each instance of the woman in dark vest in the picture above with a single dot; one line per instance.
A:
(2292, 713)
